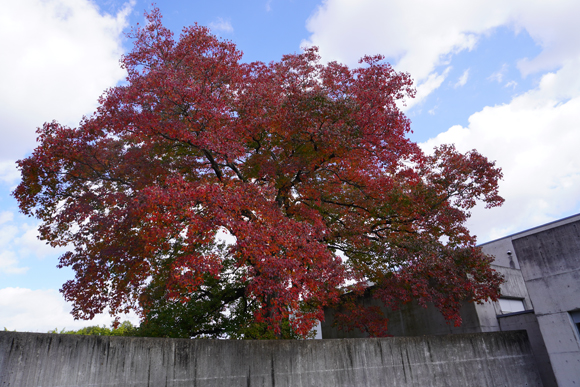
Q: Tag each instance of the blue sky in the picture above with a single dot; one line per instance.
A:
(500, 77)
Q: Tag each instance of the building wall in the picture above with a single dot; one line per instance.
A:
(550, 263)
(541, 267)
(499, 250)
(414, 320)
(483, 360)
(512, 287)
(528, 321)
(409, 320)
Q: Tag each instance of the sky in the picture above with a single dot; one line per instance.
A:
(497, 76)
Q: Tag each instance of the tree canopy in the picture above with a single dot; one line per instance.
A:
(222, 198)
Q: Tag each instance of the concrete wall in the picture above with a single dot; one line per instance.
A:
(549, 285)
(513, 287)
(527, 321)
(550, 264)
(483, 360)
(414, 320)
(499, 249)
(409, 320)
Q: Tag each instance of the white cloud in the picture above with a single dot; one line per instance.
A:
(8, 232)
(512, 84)
(419, 36)
(462, 79)
(499, 74)
(221, 25)
(20, 241)
(534, 137)
(554, 26)
(425, 88)
(6, 216)
(28, 244)
(9, 173)
(417, 41)
(9, 263)
(535, 140)
(60, 56)
(27, 310)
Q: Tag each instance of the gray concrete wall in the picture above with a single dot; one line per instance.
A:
(409, 320)
(513, 287)
(414, 320)
(550, 264)
(499, 249)
(483, 360)
(527, 321)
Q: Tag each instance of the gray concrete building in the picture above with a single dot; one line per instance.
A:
(541, 294)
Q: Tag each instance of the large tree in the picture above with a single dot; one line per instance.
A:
(222, 198)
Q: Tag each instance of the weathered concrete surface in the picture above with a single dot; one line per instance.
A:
(551, 252)
(410, 319)
(498, 249)
(483, 360)
(550, 263)
(528, 321)
(513, 287)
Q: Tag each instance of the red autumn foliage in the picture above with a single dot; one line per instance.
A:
(305, 166)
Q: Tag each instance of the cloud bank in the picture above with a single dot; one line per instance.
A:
(62, 55)
(59, 57)
(535, 140)
(534, 137)
(26, 310)
(419, 36)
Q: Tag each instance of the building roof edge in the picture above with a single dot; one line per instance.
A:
(546, 226)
